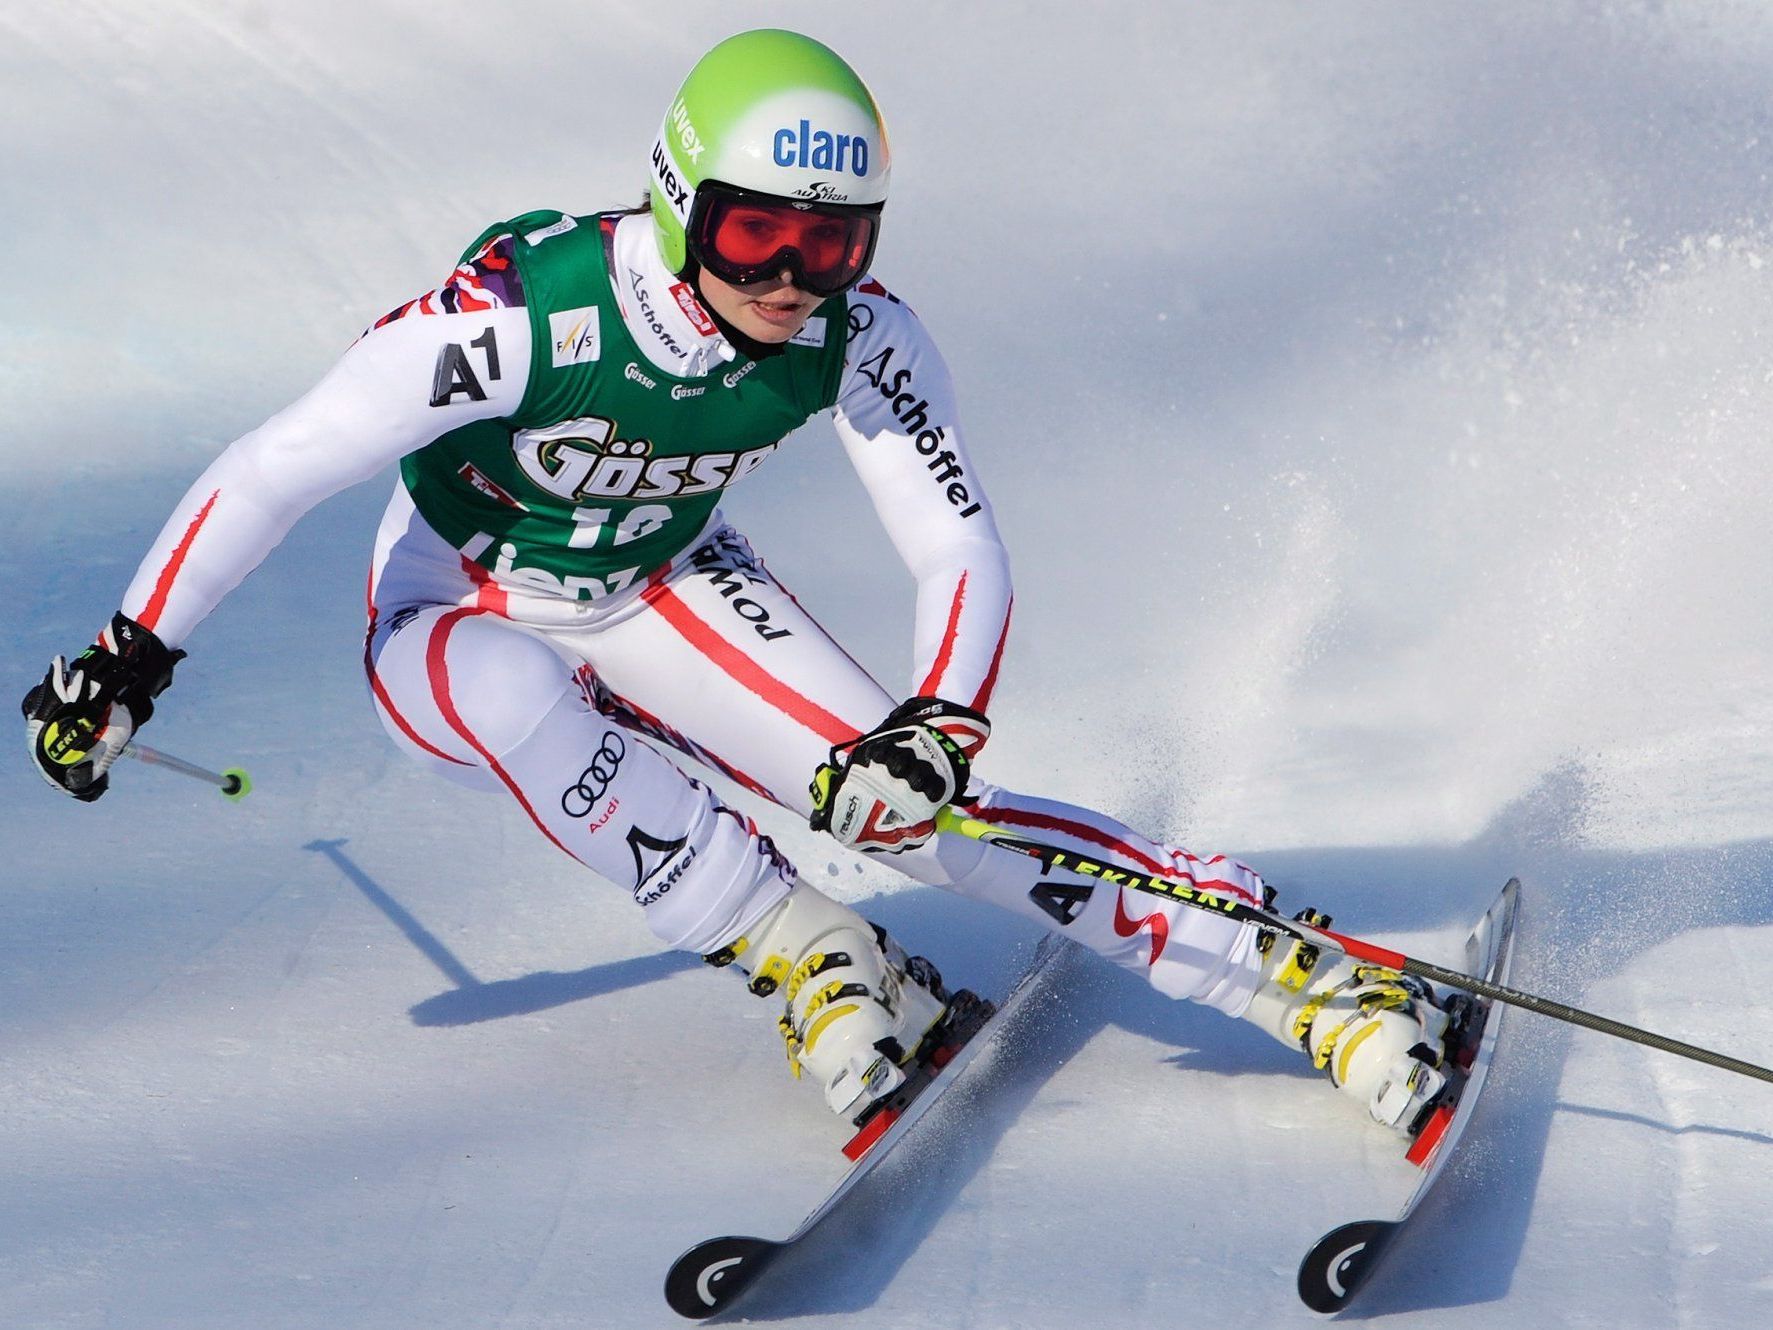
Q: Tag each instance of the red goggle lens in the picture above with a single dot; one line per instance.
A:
(748, 240)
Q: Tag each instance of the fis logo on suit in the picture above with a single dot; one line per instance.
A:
(577, 334)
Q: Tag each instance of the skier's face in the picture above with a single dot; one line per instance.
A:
(772, 310)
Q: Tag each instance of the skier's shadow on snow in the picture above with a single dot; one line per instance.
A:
(1585, 916)
(473, 1000)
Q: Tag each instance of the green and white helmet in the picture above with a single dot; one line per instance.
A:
(770, 112)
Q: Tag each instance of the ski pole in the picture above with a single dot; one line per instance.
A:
(234, 783)
(1052, 857)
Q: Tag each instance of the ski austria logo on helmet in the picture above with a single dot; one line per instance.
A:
(821, 191)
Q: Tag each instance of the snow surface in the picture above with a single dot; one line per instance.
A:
(1376, 397)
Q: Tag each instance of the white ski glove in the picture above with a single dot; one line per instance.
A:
(882, 790)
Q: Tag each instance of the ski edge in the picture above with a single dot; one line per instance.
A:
(711, 1276)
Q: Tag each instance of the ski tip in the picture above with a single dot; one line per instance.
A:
(1334, 1269)
(710, 1275)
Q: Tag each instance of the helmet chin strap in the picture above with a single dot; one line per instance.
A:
(745, 345)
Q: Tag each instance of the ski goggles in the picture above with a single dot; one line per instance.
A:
(743, 237)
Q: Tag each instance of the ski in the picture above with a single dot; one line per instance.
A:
(1343, 1260)
(712, 1275)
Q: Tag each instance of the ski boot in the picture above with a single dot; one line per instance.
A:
(1380, 1036)
(857, 1012)
(966, 1016)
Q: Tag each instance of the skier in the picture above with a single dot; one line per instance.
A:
(555, 600)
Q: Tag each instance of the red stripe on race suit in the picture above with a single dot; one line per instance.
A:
(931, 686)
(437, 668)
(149, 618)
(742, 669)
(488, 594)
(982, 698)
(380, 692)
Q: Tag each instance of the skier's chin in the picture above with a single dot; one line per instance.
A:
(766, 312)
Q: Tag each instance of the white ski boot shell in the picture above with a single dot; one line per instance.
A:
(855, 1009)
(1378, 1035)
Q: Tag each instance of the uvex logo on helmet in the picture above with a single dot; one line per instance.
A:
(692, 144)
(821, 149)
(671, 186)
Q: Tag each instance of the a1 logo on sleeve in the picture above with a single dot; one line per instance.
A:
(577, 336)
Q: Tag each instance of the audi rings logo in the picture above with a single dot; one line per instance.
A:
(861, 319)
(579, 798)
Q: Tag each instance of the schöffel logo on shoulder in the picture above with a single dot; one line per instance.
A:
(912, 411)
(820, 149)
(577, 336)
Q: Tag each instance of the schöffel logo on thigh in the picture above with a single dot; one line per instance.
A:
(654, 880)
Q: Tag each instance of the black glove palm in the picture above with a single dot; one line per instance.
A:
(79, 719)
